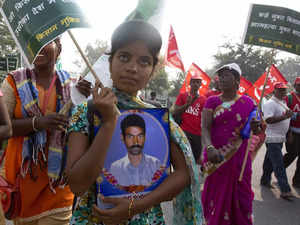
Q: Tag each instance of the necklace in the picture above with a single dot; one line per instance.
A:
(228, 104)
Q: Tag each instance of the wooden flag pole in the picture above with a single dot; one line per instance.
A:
(69, 104)
(257, 113)
(85, 58)
(186, 84)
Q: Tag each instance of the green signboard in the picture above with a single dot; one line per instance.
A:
(34, 23)
(151, 11)
(273, 27)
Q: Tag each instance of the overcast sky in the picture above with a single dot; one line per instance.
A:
(200, 26)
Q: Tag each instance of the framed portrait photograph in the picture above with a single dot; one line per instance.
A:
(138, 158)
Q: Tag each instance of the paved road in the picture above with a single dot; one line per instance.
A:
(268, 207)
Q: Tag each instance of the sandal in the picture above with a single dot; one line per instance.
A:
(287, 196)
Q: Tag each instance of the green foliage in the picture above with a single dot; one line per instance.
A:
(7, 45)
(92, 52)
(290, 68)
(176, 84)
(252, 60)
(159, 83)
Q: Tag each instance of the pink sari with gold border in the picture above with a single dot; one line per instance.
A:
(226, 201)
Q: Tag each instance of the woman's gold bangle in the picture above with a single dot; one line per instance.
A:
(33, 124)
(130, 206)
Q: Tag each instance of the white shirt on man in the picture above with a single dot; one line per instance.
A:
(276, 132)
(127, 174)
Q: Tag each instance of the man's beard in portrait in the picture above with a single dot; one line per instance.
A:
(135, 149)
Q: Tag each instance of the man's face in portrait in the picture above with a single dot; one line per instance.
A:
(134, 140)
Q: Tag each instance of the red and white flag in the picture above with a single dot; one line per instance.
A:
(274, 76)
(195, 71)
(244, 85)
(173, 58)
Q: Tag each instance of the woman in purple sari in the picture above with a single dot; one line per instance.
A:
(225, 119)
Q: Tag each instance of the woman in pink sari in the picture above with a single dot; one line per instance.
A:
(226, 123)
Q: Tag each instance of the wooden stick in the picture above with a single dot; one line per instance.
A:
(90, 68)
(85, 58)
(186, 84)
(257, 113)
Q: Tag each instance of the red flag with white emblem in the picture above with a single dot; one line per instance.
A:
(254, 93)
(195, 71)
(274, 76)
(173, 58)
(244, 85)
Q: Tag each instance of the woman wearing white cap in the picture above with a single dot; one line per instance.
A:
(225, 132)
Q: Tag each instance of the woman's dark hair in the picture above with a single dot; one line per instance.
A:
(136, 30)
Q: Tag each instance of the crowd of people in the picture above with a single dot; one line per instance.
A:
(57, 158)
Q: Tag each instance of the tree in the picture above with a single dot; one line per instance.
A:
(7, 43)
(290, 68)
(253, 60)
(159, 81)
(175, 85)
(92, 52)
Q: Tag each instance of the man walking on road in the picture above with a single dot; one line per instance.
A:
(293, 138)
(277, 115)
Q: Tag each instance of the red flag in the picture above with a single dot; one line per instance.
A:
(254, 93)
(274, 76)
(173, 58)
(244, 85)
(196, 71)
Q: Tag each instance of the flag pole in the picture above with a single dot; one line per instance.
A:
(257, 114)
(186, 84)
(69, 104)
(85, 58)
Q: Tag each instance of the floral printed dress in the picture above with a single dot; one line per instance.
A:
(187, 205)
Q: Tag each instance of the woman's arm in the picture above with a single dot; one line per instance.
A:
(25, 126)
(206, 123)
(84, 163)
(5, 123)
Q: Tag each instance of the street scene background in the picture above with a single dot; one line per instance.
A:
(268, 207)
